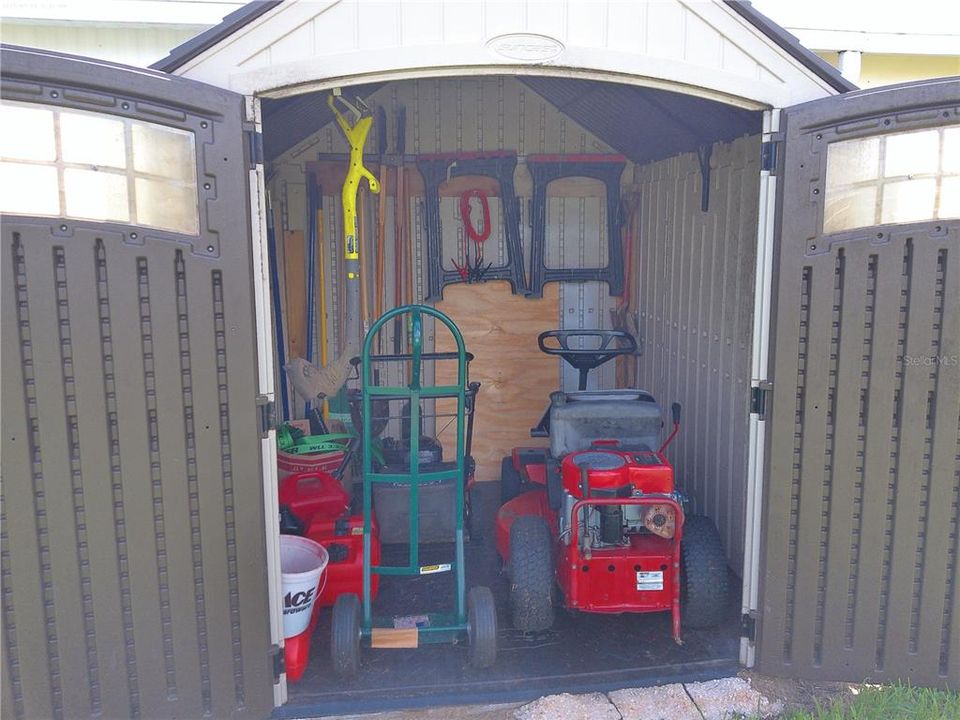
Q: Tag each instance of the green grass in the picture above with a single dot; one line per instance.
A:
(892, 702)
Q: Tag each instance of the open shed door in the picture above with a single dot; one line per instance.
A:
(133, 541)
(859, 573)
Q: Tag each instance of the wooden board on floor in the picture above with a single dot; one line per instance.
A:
(294, 268)
(501, 330)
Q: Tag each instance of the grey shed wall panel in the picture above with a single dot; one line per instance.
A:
(695, 285)
(861, 504)
(133, 553)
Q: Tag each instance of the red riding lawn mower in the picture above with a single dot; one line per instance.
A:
(596, 517)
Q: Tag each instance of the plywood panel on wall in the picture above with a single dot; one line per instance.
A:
(501, 330)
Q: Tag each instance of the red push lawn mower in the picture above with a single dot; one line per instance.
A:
(595, 517)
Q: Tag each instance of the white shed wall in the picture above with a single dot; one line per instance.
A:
(699, 47)
(695, 306)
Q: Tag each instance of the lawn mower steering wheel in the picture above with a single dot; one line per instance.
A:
(607, 345)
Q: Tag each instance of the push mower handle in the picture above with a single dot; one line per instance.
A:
(612, 343)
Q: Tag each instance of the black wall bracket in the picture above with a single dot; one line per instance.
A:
(703, 156)
(499, 165)
(544, 169)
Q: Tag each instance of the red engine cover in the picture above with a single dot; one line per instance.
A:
(616, 472)
(343, 539)
(636, 578)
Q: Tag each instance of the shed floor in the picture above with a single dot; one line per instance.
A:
(581, 653)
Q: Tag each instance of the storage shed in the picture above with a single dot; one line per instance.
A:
(787, 260)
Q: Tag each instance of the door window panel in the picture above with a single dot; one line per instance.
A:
(164, 152)
(160, 203)
(96, 195)
(30, 189)
(950, 196)
(853, 161)
(91, 166)
(908, 201)
(27, 133)
(92, 140)
(850, 207)
(912, 153)
(951, 151)
(898, 178)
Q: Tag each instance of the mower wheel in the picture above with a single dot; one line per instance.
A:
(481, 627)
(704, 577)
(510, 480)
(531, 574)
(345, 645)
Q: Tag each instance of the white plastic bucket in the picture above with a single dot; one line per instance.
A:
(302, 562)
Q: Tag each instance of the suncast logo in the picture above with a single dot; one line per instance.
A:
(526, 47)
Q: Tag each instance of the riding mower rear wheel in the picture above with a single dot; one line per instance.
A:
(704, 576)
(531, 574)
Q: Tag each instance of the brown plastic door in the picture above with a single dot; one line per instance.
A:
(860, 545)
(133, 540)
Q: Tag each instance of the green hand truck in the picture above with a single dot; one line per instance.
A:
(474, 618)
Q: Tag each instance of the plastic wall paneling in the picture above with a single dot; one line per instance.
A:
(133, 532)
(695, 305)
(859, 571)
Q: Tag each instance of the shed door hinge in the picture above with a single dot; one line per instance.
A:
(769, 154)
(254, 147)
(266, 415)
(748, 627)
(279, 662)
(760, 398)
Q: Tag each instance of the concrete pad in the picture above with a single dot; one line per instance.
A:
(728, 697)
(666, 702)
(594, 706)
(457, 712)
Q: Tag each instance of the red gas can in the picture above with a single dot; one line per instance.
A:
(343, 540)
(312, 495)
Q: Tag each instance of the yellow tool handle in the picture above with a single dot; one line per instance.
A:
(356, 135)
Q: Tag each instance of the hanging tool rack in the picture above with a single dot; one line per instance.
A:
(544, 169)
(499, 165)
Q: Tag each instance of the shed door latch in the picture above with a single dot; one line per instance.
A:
(279, 662)
(748, 627)
(254, 148)
(769, 152)
(760, 398)
(266, 415)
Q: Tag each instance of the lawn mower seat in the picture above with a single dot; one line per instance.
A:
(577, 419)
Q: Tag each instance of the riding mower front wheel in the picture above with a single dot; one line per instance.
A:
(704, 576)
(531, 574)
(345, 632)
(481, 627)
